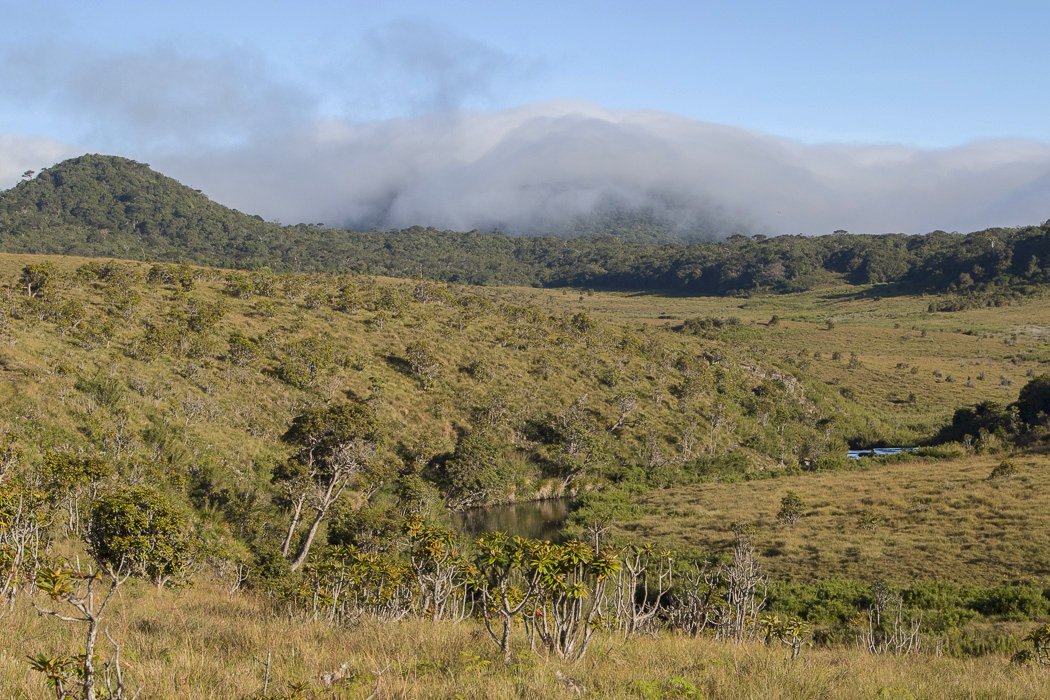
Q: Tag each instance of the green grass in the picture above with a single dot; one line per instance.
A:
(535, 361)
(973, 350)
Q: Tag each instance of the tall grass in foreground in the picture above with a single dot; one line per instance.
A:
(202, 643)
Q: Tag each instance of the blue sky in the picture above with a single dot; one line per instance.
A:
(198, 87)
(919, 73)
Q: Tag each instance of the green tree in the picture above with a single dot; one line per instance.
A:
(243, 351)
(422, 362)
(1033, 402)
(336, 446)
(70, 477)
(306, 359)
(476, 471)
(139, 530)
(791, 508)
(37, 277)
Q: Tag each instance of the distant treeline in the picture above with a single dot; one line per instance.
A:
(108, 206)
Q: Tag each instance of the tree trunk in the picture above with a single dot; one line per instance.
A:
(297, 514)
(304, 548)
(89, 662)
(504, 642)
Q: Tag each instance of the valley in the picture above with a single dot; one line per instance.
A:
(335, 454)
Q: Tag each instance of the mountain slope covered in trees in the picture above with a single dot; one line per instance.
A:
(109, 206)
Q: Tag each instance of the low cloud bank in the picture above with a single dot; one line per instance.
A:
(540, 168)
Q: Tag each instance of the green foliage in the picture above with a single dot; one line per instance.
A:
(603, 508)
(37, 277)
(243, 351)
(791, 508)
(988, 417)
(306, 360)
(1015, 602)
(1039, 638)
(1003, 470)
(319, 432)
(477, 470)
(137, 529)
(63, 470)
(1033, 402)
(422, 362)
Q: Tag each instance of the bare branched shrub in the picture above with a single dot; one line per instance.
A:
(890, 628)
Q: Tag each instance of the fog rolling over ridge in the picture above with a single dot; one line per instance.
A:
(557, 167)
(539, 169)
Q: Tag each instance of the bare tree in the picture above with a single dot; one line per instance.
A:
(742, 580)
(89, 592)
(890, 628)
(642, 583)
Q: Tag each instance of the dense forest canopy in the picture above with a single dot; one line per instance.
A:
(109, 206)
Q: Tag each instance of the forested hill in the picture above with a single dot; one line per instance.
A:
(109, 206)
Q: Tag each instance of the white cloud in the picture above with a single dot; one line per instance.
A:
(226, 122)
(21, 153)
(535, 168)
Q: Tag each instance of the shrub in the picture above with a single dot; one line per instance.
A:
(1003, 470)
(243, 351)
(1033, 401)
(791, 508)
(477, 470)
(1014, 602)
(138, 529)
(36, 278)
(422, 362)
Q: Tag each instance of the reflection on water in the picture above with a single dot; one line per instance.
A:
(878, 452)
(536, 519)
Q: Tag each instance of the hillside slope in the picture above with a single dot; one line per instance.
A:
(109, 206)
(198, 372)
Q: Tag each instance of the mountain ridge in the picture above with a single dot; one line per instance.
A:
(110, 206)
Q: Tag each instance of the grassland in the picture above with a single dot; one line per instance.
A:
(73, 374)
(202, 643)
(902, 521)
(946, 359)
(488, 353)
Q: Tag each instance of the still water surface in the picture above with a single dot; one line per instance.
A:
(535, 519)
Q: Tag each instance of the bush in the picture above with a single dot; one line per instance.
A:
(988, 416)
(1003, 470)
(138, 529)
(1033, 401)
(243, 351)
(476, 471)
(36, 278)
(1014, 602)
(791, 508)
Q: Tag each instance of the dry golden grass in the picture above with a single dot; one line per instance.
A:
(201, 643)
(903, 521)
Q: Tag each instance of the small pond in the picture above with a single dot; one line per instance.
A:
(878, 452)
(535, 519)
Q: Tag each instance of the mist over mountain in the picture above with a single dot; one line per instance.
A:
(112, 206)
(543, 169)
(566, 168)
